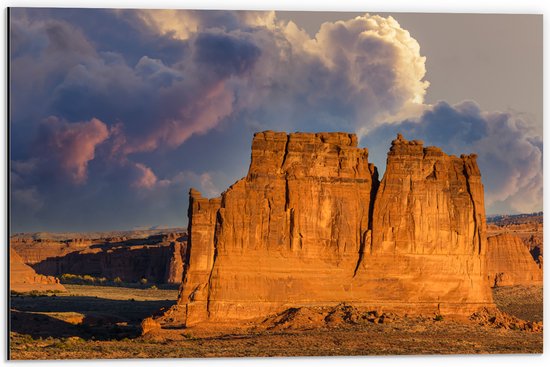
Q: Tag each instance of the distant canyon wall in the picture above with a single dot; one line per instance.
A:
(159, 258)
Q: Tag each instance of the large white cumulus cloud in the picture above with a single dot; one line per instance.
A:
(352, 73)
(196, 70)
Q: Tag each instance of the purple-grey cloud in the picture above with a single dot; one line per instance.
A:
(135, 95)
(70, 146)
(509, 150)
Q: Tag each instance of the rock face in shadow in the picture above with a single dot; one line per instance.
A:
(24, 279)
(311, 225)
(510, 263)
(33, 251)
(178, 253)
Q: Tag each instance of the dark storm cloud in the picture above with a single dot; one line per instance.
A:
(263, 68)
(106, 101)
(120, 111)
(509, 150)
(224, 54)
(123, 31)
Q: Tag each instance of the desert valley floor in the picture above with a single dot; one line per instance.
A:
(104, 322)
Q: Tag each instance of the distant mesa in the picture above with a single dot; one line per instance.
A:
(312, 225)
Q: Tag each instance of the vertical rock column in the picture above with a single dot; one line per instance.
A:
(429, 218)
(194, 290)
(290, 233)
(178, 256)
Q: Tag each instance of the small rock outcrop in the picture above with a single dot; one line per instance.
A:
(510, 263)
(311, 225)
(24, 279)
(148, 325)
(501, 320)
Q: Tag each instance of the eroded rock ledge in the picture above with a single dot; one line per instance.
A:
(311, 225)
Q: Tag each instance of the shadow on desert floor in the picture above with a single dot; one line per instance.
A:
(81, 316)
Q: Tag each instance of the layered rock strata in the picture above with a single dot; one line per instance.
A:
(33, 251)
(528, 227)
(311, 225)
(157, 258)
(510, 263)
(24, 279)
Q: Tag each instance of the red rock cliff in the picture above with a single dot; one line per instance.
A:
(429, 230)
(510, 263)
(158, 258)
(303, 228)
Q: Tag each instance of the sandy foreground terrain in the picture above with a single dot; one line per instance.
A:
(104, 322)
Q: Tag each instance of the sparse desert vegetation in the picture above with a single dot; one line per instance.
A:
(103, 322)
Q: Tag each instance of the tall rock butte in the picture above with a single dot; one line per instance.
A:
(312, 225)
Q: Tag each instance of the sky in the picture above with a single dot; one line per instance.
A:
(115, 114)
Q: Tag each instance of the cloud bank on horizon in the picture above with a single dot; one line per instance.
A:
(116, 113)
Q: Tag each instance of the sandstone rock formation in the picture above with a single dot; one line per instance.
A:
(528, 227)
(33, 251)
(429, 224)
(157, 258)
(310, 225)
(24, 279)
(510, 263)
(176, 263)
